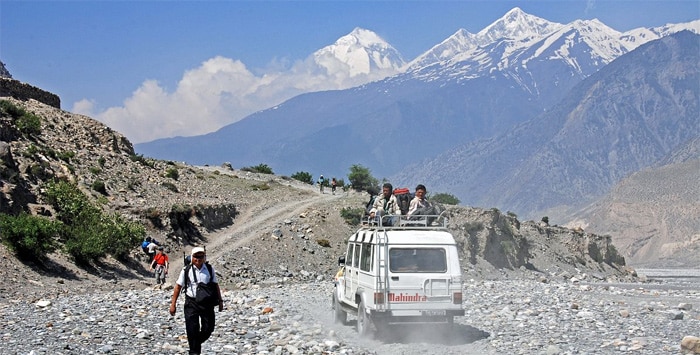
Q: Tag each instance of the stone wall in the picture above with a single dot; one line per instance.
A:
(24, 92)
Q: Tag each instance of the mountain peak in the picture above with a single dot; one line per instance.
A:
(461, 41)
(361, 52)
(517, 24)
(363, 37)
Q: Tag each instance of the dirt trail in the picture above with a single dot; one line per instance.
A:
(254, 219)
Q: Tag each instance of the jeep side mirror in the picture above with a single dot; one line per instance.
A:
(341, 260)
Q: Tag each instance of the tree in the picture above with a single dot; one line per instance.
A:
(447, 199)
(361, 179)
(303, 176)
(260, 169)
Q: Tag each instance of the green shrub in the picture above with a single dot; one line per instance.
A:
(29, 124)
(26, 122)
(95, 170)
(89, 233)
(145, 162)
(29, 237)
(152, 212)
(444, 198)
(132, 184)
(66, 156)
(172, 173)
(304, 177)
(99, 186)
(352, 216)
(101, 161)
(260, 169)
(324, 243)
(37, 170)
(10, 109)
(260, 187)
(31, 151)
(170, 186)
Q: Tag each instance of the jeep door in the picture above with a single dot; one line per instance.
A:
(352, 261)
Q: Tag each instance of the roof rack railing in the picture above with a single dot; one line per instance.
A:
(407, 222)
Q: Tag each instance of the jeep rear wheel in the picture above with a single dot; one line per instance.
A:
(363, 321)
(339, 316)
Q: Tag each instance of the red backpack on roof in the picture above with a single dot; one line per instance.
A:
(403, 197)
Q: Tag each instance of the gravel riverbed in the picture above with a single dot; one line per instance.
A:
(525, 315)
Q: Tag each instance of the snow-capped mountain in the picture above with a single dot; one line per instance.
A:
(361, 53)
(518, 42)
(638, 36)
(515, 26)
(467, 88)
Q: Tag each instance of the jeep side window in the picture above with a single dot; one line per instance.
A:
(366, 261)
(348, 258)
(356, 256)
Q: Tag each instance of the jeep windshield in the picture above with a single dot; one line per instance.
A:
(426, 260)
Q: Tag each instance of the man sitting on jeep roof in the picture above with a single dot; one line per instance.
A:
(385, 204)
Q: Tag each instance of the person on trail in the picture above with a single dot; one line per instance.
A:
(151, 248)
(160, 265)
(321, 180)
(144, 245)
(202, 294)
(334, 183)
(385, 204)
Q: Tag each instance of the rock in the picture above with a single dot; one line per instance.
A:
(691, 343)
(675, 315)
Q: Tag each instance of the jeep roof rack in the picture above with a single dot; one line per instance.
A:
(407, 222)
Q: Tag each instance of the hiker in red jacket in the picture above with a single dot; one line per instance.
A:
(160, 265)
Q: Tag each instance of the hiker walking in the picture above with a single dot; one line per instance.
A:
(334, 183)
(202, 294)
(160, 265)
(320, 182)
(151, 249)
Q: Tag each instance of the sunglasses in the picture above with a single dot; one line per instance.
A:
(198, 256)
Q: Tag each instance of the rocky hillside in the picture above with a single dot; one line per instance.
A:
(653, 214)
(257, 227)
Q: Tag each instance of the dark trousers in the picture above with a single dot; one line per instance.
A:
(194, 316)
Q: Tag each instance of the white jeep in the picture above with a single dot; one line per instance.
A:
(406, 272)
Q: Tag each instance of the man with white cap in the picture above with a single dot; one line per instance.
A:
(196, 280)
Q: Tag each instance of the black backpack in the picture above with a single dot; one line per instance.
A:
(187, 274)
(207, 295)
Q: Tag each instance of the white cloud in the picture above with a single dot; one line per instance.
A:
(219, 92)
(84, 107)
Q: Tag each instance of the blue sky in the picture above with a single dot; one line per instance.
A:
(98, 54)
